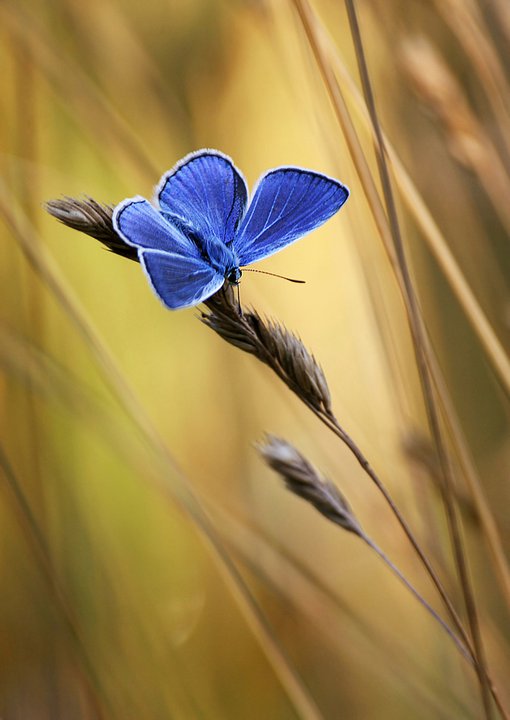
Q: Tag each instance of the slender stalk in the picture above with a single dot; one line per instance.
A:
(333, 425)
(287, 357)
(303, 480)
(436, 241)
(462, 648)
(418, 335)
(321, 44)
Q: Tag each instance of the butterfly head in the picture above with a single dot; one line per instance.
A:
(233, 276)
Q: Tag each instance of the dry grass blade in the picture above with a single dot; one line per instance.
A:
(474, 314)
(327, 54)
(424, 368)
(468, 141)
(317, 40)
(302, 479)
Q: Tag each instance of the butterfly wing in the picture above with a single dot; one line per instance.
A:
(172, 262)
(288, 203)
(207, 192)
(179, 281)
(141, 225)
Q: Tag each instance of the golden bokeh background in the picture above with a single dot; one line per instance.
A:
(119, 418)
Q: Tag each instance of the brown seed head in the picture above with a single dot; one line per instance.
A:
(304, 480)
(271, 343)
(92, 218)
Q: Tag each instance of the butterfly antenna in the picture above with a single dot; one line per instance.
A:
(282, 277)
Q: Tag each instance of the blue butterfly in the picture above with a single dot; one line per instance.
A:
(205, 230)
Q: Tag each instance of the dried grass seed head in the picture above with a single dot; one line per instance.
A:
(92, 218)
(302, 479)
(273, 345)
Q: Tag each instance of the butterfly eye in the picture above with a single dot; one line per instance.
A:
(233, 276)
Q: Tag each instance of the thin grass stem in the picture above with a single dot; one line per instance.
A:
(436, 242)
(303, 480)
(466, 22)
(417, 332)
(474, 314)
(332, 423)
(460, 646)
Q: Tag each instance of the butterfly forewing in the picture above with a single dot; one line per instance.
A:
(287, 204)
(208, 192)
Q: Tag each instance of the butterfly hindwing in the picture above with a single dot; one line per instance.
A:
(207, 192)
(287, 203)
(179, 281)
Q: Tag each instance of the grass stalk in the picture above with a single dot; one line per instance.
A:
(326, 55)
(419, 343)
(311, 29)
(419, 597)
(467, 24)
(302, 479)
(475, 316)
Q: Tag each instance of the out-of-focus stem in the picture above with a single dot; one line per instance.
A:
(420, 349)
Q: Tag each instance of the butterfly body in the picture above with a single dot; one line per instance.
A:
(221, 257)
(204, 230)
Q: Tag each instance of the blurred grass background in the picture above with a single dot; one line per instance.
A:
(113, 603)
